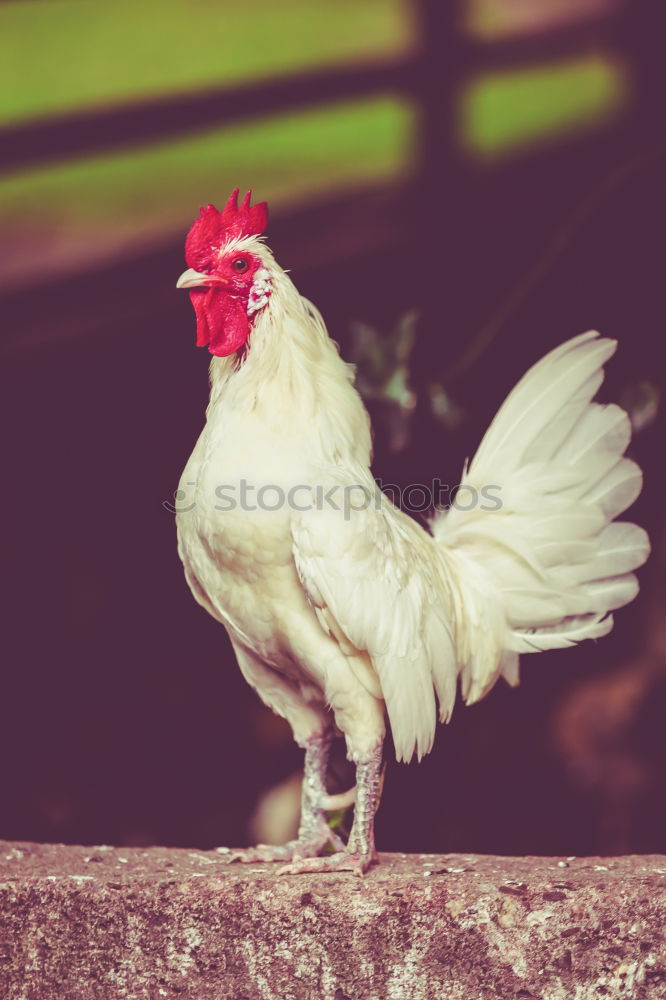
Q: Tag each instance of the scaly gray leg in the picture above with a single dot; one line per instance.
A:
(314, 832)
(360, 851)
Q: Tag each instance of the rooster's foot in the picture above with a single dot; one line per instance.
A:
(342, 861)
(306, 846)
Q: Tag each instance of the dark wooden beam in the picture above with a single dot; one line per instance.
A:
(107, 129)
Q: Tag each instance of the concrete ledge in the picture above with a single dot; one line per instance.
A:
(112, 924)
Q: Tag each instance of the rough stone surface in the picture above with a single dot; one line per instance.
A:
(91, 923)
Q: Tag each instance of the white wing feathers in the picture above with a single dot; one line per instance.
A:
(375, 576)
(541, 570)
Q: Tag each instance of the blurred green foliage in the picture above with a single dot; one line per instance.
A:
(68, 54)
(504, 110)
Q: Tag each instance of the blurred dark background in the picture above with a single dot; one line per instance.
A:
(459, 186)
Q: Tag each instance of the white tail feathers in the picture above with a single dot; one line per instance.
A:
(548, 556)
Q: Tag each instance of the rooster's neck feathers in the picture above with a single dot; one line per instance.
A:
(292, 375)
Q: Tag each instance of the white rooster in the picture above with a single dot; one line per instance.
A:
(341, 609)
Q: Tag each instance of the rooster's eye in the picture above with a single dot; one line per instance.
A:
(240, 265)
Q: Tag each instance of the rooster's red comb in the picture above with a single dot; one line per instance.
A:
(213, 228)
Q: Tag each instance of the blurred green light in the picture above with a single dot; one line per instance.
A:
(502, 111)
(76, 53)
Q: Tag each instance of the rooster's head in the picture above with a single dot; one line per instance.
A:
(228, 281)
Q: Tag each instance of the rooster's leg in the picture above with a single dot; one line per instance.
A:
(360, 852)
(314, 832)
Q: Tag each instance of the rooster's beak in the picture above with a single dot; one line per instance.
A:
(193, 279)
